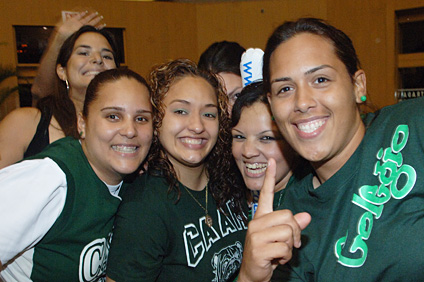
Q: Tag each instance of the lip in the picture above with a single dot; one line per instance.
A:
(255, 169)
(310, 128)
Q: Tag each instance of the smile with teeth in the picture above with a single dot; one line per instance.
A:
(124, 149)
(256, 168)
(194, 141)
(92, 73)
(309, 127)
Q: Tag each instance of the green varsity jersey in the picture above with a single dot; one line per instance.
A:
(157, 238)
(76, 247)
(368, 218)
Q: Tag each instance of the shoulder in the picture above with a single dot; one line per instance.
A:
(17, 130)
(27, 116)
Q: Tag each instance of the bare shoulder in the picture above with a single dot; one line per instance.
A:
(23, 121)
(16, 132)
(21, 116)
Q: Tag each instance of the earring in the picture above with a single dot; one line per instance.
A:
(80, 133)
(363, 98)
(272, 118)
(67, 85)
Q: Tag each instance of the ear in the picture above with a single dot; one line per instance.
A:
(81, 126)
(360, 85)
(268, 95)
(61, 72)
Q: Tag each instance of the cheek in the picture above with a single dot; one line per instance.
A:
(110, 65)
(236, 149)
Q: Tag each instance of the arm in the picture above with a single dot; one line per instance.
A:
(45, 81)
(271, 236)
(16, 132)
(32, 195)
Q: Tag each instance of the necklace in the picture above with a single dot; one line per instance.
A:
(208, 218)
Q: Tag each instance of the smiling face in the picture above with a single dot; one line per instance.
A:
(233, 86)
(91, 54)
(314, 101)
(117, 132)
(190, 124)
(256, 139)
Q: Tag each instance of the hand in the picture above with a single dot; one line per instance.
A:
(271, 234)
(74, 22)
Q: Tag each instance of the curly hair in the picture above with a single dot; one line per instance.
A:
(222, 185)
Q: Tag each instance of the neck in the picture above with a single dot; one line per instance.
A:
(283, 182)
(194, 178)
(326, 169)
(78, 99)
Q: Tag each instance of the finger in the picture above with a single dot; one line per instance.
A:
(91, 18)
(100, 26)
(266, 197)
(303, 219)
(94, 21)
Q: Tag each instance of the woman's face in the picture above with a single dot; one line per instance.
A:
(314, 100)
(190, 124)
(91, 54)
(256, 139)
(233, 86)
(117, 133)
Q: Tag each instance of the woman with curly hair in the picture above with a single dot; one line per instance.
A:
(186, 217)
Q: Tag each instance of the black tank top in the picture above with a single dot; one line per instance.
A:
(41, 137)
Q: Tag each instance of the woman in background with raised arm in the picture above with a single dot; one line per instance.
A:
(26, 131)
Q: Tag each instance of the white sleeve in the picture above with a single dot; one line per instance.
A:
(32, 196)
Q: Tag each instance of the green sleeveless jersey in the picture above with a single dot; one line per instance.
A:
(77, 245)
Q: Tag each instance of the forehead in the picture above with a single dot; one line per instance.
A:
(123, 91)
(92, 39)
(258, 111)
(304, 50)
(191, 88)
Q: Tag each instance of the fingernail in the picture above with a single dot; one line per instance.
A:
(97, 13)
(299, 244)
(101, 17)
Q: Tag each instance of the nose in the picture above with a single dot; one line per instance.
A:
(196, 123)
(128, 129)
(249, 149)
(97, 58)
(305, 99)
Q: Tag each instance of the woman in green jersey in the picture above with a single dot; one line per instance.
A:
(58, 207)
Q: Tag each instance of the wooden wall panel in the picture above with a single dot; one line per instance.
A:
(154, 31)
(249, 23)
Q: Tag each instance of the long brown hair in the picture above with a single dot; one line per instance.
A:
(222, 184)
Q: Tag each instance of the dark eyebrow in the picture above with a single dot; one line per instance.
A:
(188, 103)
(281, 79)
(308, 72)
(120, 109)
(317, 69)
(89, 47)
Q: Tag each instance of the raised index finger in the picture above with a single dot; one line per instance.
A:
(266, 197)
